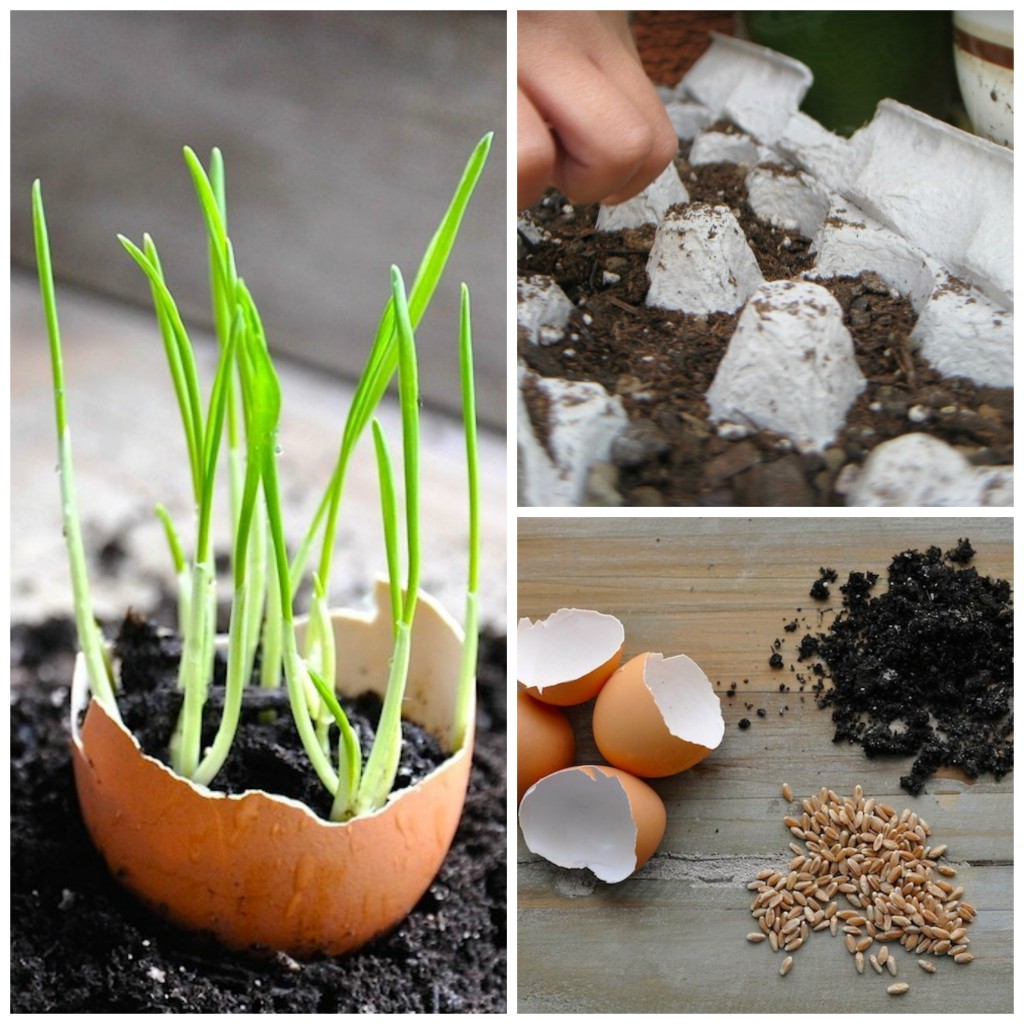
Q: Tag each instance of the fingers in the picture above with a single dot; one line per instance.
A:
(590, 122)
(611, 142)
(535, 153)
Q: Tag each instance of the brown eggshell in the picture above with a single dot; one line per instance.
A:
(635, 732)
(544, 741)
(593, 816)
(566, 658)
(262, 871)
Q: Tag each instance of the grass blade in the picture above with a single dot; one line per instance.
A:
(467, 673)
(382, 763)
(90, 638)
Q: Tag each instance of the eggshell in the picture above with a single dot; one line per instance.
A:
(657, 716)
(567, 657)
(593, 816)
(261, 871)
(544, 741)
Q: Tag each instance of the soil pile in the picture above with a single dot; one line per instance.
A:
(81, 944)
(925, 668)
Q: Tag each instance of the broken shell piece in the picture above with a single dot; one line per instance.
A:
(567, 657)
(595, 817)
(700, 262)
(544, 741)
(658, 716)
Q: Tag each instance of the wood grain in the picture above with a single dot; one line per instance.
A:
(671, 938)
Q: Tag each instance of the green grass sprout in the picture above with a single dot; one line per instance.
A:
(241, 414)
(467, 675)
(382, 764)
(90, 637)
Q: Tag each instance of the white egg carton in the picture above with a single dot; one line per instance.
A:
(926, 207)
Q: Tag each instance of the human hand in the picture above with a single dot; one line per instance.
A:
(590, 122)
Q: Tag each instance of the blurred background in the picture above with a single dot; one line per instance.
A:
(344, 135)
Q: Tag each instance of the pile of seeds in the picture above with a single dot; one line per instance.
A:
(881, 862)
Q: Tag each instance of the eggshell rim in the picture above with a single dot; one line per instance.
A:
(629, 792)
(684, 661)
(589, 666)
(99, 726)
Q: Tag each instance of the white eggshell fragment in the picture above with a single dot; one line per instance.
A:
(567, 657)
(593, 817)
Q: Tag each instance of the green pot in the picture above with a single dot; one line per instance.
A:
(861, 57)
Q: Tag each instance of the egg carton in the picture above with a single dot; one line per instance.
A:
(923, 207)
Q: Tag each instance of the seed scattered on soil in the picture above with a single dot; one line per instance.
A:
(925, 668)
(787, 966)
(926, 966)
(787, 792)
(756, 936)
(859, 962)
(898, 989)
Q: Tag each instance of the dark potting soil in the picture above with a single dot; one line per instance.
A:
(661, 363)
(923, 668)
(79, 943)
(267, 753)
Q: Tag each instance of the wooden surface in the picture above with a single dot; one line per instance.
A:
(671, 938)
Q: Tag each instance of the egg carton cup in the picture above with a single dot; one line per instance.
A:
(922, 206)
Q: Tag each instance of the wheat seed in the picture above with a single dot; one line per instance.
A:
(926, 966)
(898, 989)
(879, 859)
(787, 966)
(756, 936)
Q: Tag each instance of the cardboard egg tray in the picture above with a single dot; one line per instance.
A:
(923, 206)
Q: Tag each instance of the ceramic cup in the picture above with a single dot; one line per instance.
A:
(983, 51)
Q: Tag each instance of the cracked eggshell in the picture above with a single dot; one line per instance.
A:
(544, 741)
(566, 658)
(595, 817)
(657, 716)
(260, 871)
